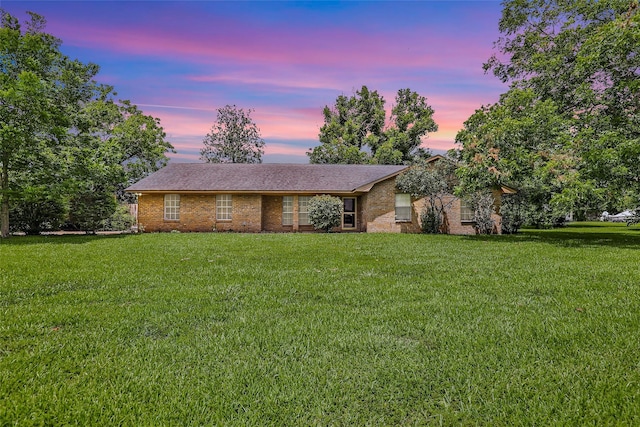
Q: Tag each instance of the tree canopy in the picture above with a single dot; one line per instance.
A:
(568, 130)
(234, 138)
(356, 131)
(62, 134)
(434, 181)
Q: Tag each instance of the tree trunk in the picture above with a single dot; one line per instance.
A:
(4, 199)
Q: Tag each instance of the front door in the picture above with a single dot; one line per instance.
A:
(349, 215)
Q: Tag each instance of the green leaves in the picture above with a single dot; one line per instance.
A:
(581, 57)
(325, 212)
(62, 131)
(354, 130)
(36, 100)
(234, 138)
(433, 181)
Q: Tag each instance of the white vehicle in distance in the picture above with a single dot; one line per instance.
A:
(621, 217)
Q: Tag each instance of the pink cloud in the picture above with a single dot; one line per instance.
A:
(287, 124)
(439, 144)
(299, 80)
(321, 47)
(276, 148)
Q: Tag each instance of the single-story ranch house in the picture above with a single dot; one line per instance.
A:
(274, 197)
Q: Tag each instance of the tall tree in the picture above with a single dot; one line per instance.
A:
(234, 138)
(354, 123)
(412, 120)
(63, 137)
(354, 130)
(522, 142)
(114, 145)
(119, 136)
(584, 57)
(40, 89)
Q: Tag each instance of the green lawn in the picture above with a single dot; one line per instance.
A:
(542, 328)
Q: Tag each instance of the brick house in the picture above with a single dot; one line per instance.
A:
(274, 197)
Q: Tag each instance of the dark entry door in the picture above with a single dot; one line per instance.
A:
(349, 219)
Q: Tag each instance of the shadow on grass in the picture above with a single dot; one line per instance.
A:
(66, 239)
(575, 237)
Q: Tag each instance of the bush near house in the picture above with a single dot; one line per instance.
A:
(325, 212)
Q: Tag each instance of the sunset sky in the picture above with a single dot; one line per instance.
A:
(181, 60)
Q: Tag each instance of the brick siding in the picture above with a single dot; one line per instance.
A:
(198, 213)
(256, 213)
(272, 214)
(379, 210)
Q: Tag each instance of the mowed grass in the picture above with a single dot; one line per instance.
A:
(541, 328)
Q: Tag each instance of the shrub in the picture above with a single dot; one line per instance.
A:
(482, 205)
(430, 220)
(513, 213)
(325, 212)
(90, 208)
(37, 211)
(120, 220)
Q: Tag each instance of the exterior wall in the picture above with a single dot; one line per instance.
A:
(246, 214)
(198, 213)
(453, 223)
(272, 214)
(255, 213)
(379, 211)
(272, 217)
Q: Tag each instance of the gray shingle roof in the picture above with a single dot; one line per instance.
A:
(269, 177)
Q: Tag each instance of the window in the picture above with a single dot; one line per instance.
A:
(466, 212)
(403, 207)
(287, 210)
(172, 207)
(223, 207)
(349, 215)
(303, 210)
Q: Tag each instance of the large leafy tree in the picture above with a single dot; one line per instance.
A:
(63, 137)
(412, 120)
(234, 138)
(354, 123)
(521, 141)
(40, 89)
(582, 60)
(113, 145)
(355, 129)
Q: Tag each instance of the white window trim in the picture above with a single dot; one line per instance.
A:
(172, 207)
(287, 210)
(466, 212)
(303, 210)
(402, 207)
(224, 207)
